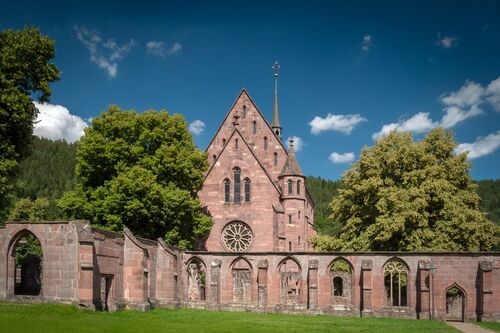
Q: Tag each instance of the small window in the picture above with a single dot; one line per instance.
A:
(214, 157)
(265, 143)
(298, 240)
(289, 219)
(247, 190)
(290, 246)
(298, 186)
(244, 111)
(237, 185)
(223, 142)
(254, 127)
(338, 286)
(275, 159)
(298, 214)
(236, 143)
(227, 189)
(290, 186)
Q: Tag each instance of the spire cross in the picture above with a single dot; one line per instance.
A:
(276, 68)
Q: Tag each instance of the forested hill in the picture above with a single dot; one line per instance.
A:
(323, 190)
(49, 171)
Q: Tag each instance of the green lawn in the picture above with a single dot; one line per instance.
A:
(62, 318)
(490, 325)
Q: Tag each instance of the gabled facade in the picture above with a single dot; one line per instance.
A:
(254, 188)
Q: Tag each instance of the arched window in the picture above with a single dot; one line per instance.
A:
(237, 185)
(236, 143)
(338, 286)
(395, 283)
(223, 142)
(265, 143)
(247, 190)
(254, 127)
(227, 189)
(275, 159)
(214, 157)
(244, 111)
(290, 186)
(298, 186)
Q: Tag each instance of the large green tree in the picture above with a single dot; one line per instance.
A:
(410, 196)
(25, 74)
(142, 171)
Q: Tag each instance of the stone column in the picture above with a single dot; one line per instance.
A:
(485, 288)
(366, 287)
(215, 282)
(312, 280)
(262, 283)
(424, 290)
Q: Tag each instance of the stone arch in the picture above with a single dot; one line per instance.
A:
(340, 272)
(25, 277)
(241, 274)
(455, 302)
(196, 279)
(396, 275)
(290, 273)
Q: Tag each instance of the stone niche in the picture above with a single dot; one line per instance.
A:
(196, 280)
(290, 282)
(341, 284)
(242, 281)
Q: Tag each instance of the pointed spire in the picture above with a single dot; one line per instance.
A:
(291, 167)
(275, 124)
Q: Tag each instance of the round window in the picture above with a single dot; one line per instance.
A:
(237, 237)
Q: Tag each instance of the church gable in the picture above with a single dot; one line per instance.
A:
(256, 131)
(238, 188)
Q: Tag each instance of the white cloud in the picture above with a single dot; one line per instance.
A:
(159, 48)
(55, 122)
(493, 93)
(447, 42)
(418, 123)
(335, 122)
(342, 158)
(196, 127)
(104, 53)
(459, 105)
(480, 147)
(298, 143)
(462, 104)
(366, 44)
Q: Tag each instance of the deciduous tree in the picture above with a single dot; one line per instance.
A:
(410, 196)
(142, 171)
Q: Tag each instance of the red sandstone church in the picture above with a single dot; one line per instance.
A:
(257, 256)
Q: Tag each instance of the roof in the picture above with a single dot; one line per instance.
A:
(291, 167)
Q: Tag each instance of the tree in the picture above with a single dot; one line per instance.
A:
(141, 171)
(322, 192)
(31, 211)
(25, 73)
(410, 196)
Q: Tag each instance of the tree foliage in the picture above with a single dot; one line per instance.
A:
(410, 196)
(322, 191)
(141, 171)
(25, 73)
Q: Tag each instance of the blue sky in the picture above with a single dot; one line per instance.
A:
(350, 71)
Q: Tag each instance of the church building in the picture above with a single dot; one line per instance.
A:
(254, 188)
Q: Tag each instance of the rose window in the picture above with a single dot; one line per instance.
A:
(237, 237)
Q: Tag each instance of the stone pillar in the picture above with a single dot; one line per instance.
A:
(366, 286)
(262, 283)
(485, 289)
(312, 279)
(87, 274)
(424, 290)
(215, 282)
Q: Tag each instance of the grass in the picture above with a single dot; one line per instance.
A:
(66, 318)
(490, 325)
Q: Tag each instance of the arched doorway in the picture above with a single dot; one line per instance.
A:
(341, 284)
(25, 265)
(455, 303)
